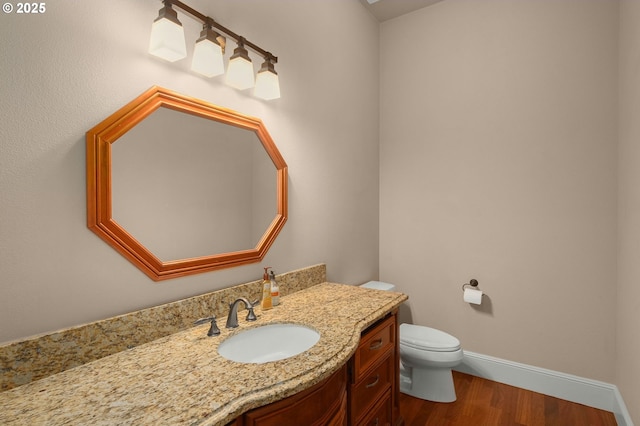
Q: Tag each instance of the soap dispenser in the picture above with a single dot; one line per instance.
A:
(266, 290)
(275, 290)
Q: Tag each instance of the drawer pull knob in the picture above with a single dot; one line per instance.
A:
(376, 344)
(375, 382)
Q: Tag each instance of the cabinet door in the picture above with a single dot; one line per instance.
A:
(323, 404)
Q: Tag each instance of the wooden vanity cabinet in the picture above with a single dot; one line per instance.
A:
(324, 404)
(374, 376)
(365, 391)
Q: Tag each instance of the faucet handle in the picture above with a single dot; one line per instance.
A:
(213, 330)
(251, 316)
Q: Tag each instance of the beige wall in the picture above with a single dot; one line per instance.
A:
(66, 70)
(628, 343)
(498, 162)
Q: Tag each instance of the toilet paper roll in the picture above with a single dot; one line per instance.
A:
(472, 295)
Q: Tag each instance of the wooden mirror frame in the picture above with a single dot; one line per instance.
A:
(99, 201)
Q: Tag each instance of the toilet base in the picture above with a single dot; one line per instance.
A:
(431, 384)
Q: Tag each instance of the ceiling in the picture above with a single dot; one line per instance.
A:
(388, 9)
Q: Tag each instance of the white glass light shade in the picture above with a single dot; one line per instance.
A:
(240, 70)
(207, 58)
(167, 40)
(267, 85)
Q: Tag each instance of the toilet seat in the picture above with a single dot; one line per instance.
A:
(427, 339)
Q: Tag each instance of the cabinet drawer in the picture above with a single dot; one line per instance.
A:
(368, 390)
(375, 345)
(381, 413)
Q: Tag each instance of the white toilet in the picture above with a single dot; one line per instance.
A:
(427, 356)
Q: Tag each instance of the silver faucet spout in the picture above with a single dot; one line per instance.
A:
(232, 319)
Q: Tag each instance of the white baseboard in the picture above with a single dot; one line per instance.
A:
(583, 391)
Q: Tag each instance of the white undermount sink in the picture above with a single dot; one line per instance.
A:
(272, 342)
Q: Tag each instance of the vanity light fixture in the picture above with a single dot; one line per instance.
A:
(208, 53)
(240, 71)
(167, 35)
(168, 42)
(267, 83)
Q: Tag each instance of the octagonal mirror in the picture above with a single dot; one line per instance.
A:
(179, 186)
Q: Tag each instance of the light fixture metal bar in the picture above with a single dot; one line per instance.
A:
(206, 19)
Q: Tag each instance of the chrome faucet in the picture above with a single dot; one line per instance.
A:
(232, 319)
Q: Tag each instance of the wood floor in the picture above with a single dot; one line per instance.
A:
(485, 403)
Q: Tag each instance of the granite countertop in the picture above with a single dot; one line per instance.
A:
(181, 379)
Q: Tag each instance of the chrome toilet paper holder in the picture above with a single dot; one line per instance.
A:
(473, 283)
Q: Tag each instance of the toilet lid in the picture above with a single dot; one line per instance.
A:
(426, 338)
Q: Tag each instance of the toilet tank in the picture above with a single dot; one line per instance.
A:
(379, 285)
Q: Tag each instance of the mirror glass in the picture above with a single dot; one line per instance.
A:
(180, 186)
(187, 187)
